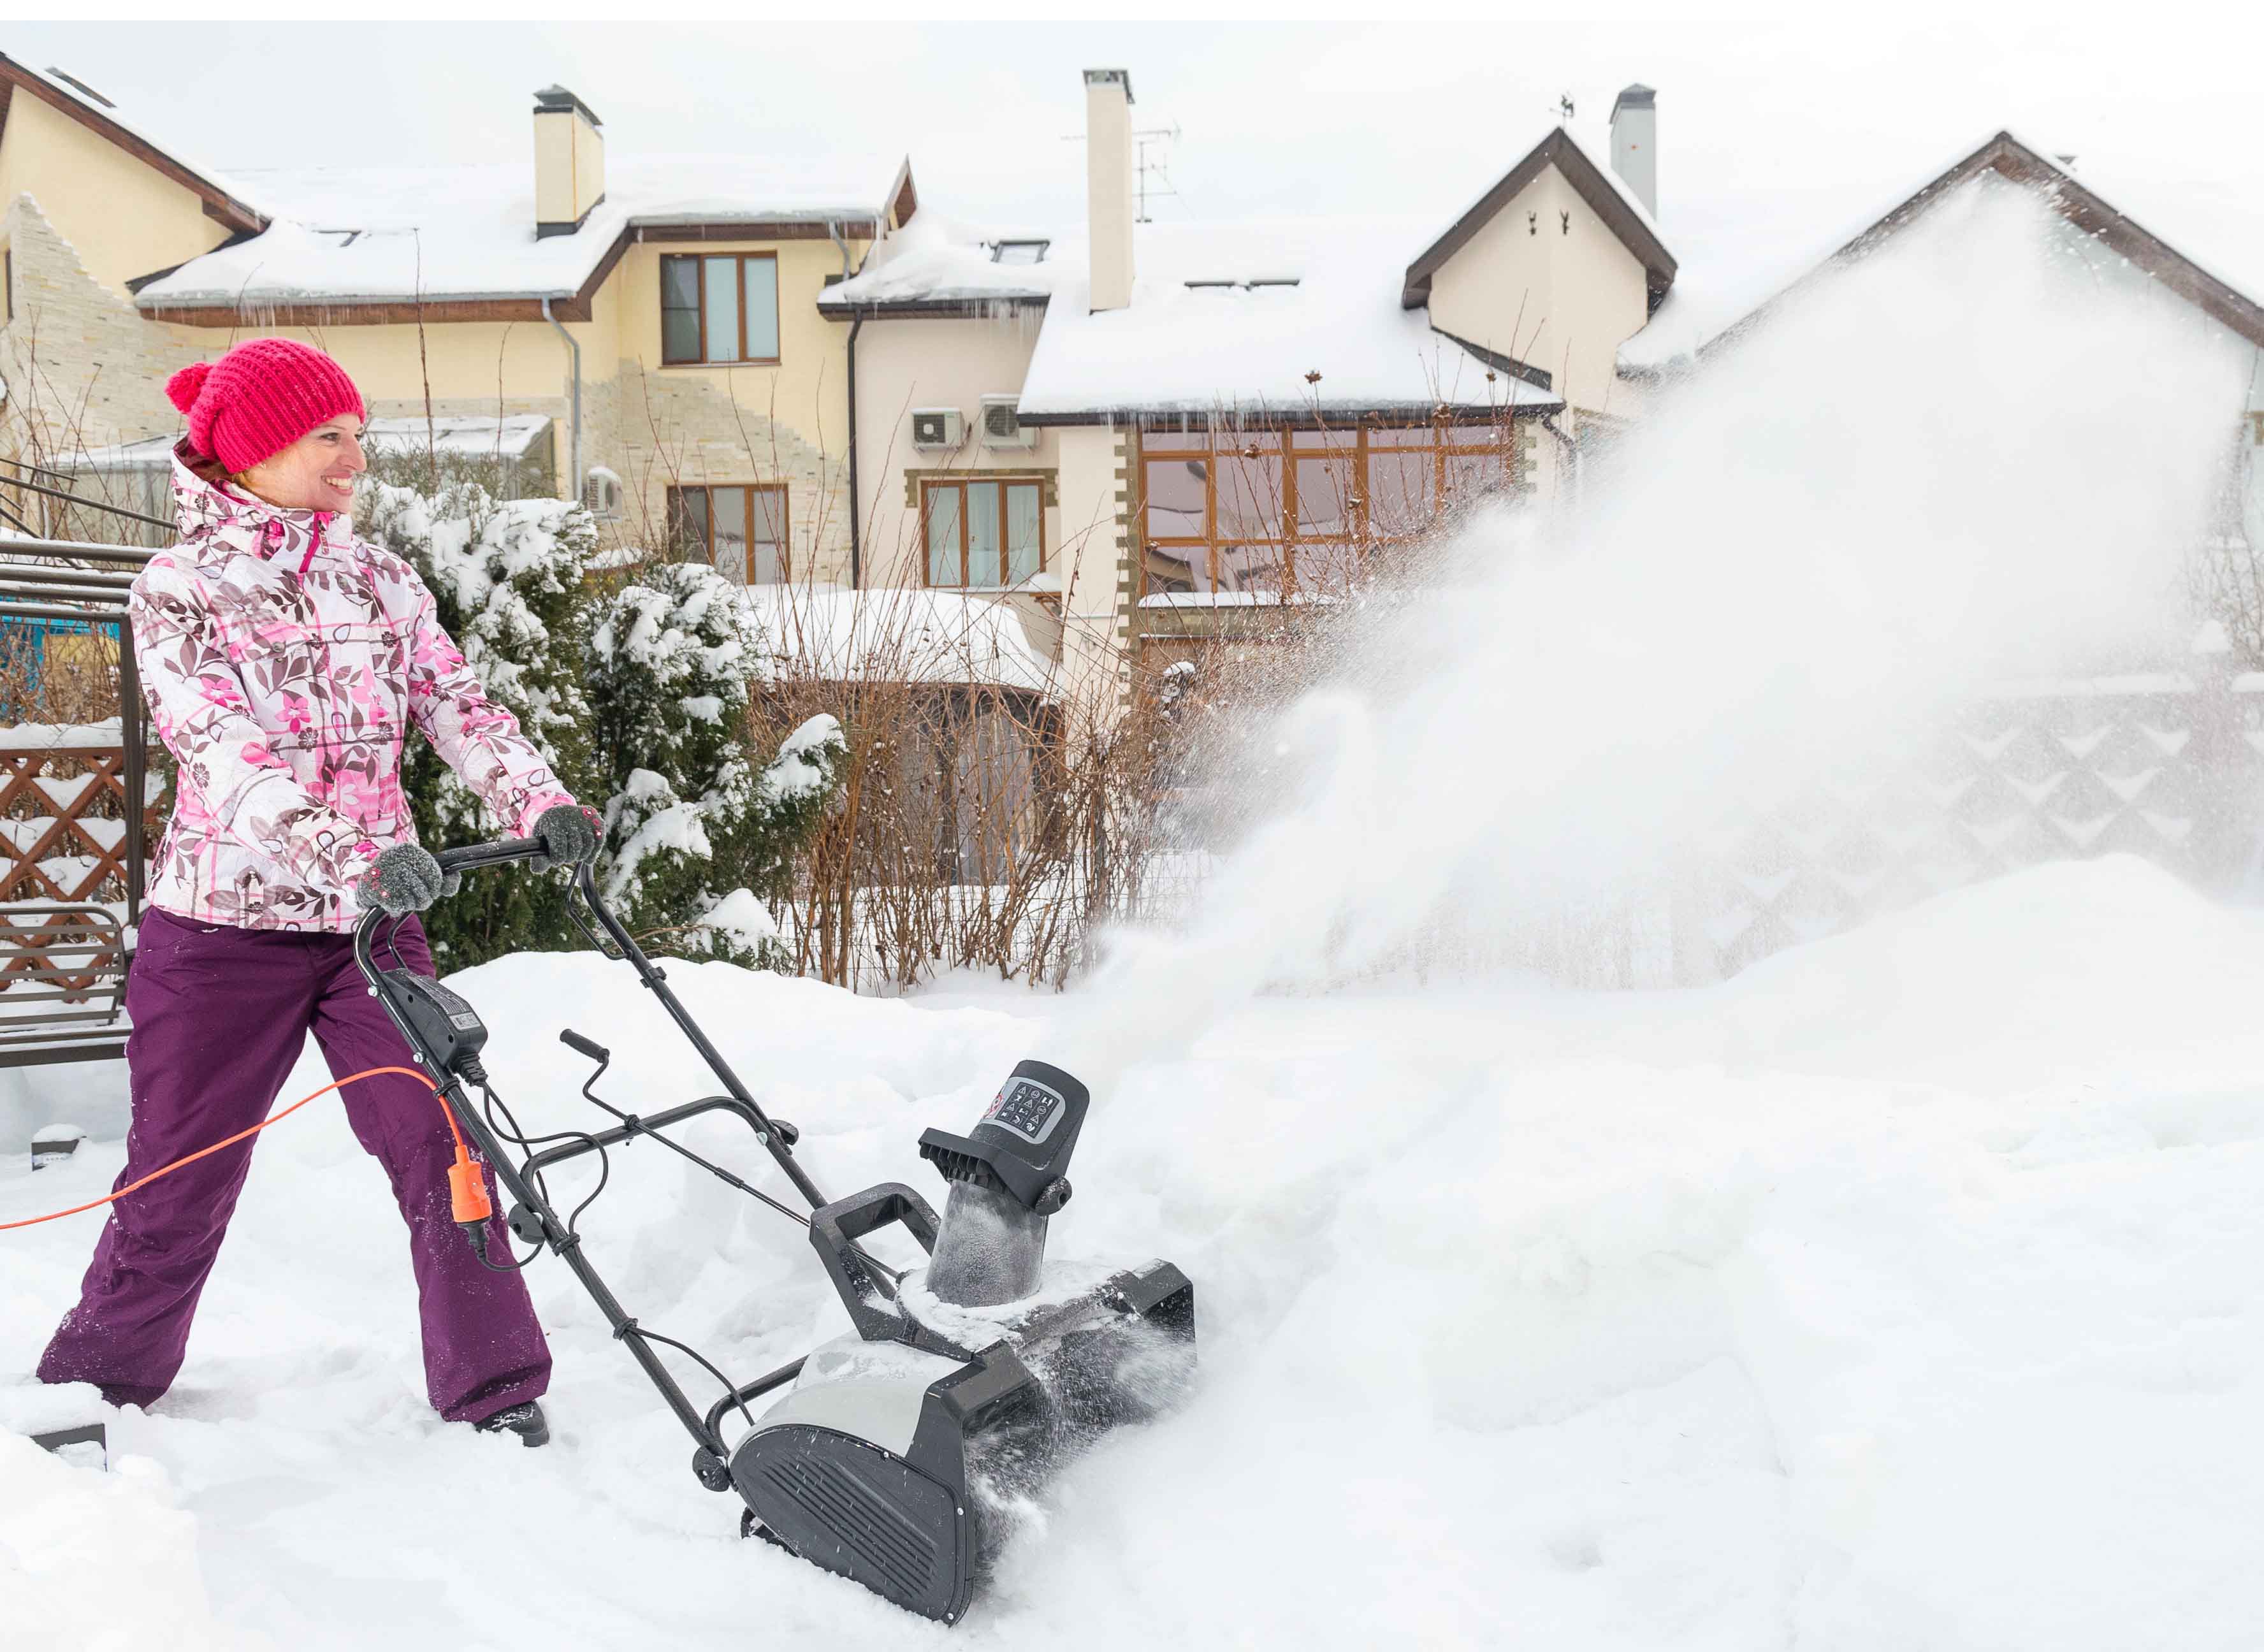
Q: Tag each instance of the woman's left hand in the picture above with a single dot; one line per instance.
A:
(570, 834)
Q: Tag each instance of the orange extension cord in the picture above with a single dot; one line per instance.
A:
(466, 1192)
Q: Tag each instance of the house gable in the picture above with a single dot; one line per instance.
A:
(2016, 162)
(1598, 192)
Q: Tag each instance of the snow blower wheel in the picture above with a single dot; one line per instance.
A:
(893, 1451)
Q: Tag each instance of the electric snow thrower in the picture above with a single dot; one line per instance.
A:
(893, 1453)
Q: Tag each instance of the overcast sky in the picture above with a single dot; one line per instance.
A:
(1275, 118)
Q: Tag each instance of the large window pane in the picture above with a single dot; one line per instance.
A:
(1322, 570)
(679, 309)
(1471, 475)
(728, 506)
(1176, 495)
(1249, 493)
(769, 549)
(723, 309)
(943, 567)
(1325, 504)
(1250, 568)
(983, 533)
(1023, 508)
(761, 276)
(1172, 569)
(690, 526)
(1402, 491)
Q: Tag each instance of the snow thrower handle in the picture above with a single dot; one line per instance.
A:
(478, 857)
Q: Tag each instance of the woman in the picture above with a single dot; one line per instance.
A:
(284, 661)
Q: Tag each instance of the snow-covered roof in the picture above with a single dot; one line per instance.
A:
(893, 634)
(467, 233)
(1274, 317)
(935, 261)
(465, 436)
(1744, 243)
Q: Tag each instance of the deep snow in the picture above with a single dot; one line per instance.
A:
(1900, 1293)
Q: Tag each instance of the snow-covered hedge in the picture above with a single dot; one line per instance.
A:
(698, 833)
(638, 697)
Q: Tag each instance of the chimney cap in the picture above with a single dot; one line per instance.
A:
(1637, 96)
(1111, 77)
(556, 101)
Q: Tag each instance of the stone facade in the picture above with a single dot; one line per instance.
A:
(83, 368)
(659, 429)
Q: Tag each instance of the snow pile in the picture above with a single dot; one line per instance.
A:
(1610, 1323)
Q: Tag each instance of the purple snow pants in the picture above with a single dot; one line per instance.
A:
(220, 1016)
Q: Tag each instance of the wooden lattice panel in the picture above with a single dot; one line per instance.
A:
(2167, 766)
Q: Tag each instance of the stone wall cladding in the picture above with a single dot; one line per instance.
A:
(658, 429)
(81, 365)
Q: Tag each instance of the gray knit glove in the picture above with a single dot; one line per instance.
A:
(406, 878)
(568, 833)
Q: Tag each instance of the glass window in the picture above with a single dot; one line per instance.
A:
(1402, 491)
(727, 507)
(983, 547)
(741, 529)
(1327, 499)
(1249, 568)
(1249, 498)
(1023, 514)
(1324, 571)
(984, 534)
(1177, 496)
(762, 334)
(679, 309)
(945, 564)
(766, 545)
(720, 309)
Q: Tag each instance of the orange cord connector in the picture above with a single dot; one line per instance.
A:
(467, 1194)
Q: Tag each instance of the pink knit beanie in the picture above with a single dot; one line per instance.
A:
(259, 398)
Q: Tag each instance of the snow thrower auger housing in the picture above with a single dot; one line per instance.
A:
(894, 1451)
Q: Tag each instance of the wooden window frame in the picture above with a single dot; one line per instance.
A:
(699, 261)
(1282, 446)
(960, 484)
(711, 489)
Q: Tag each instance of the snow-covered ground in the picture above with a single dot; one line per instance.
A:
(1903, 1291)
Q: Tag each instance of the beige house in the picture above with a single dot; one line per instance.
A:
(1145, 434)
(659, 312)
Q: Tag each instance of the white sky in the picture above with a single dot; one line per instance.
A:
(1275, 118)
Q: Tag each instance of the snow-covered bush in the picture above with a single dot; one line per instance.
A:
(507, 578)
(699, 834)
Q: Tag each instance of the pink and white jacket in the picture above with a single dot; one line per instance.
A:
(284, 661)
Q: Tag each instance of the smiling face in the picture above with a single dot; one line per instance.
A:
(315, 473)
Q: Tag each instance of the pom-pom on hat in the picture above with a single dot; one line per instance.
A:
(259, 398)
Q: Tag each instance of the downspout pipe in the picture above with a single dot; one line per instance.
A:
(1572, 450)
(574, 353)
(856, 326)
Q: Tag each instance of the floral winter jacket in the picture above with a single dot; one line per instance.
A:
(284, 661)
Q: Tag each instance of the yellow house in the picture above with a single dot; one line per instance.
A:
(660, 311)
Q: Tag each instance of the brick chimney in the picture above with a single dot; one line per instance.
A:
(569, 161)
(1108, 185)
(1635, 143)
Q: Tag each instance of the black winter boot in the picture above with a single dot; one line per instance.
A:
(524, 1419)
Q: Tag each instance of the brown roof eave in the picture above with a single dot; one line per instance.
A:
(1588, 182)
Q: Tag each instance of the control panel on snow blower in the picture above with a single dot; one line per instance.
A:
(1022, 1143)
(448, 1026)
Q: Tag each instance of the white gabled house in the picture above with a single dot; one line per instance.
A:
(1135, 431)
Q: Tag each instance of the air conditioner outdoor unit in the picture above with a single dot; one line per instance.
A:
(1003, 427)
(604, 493)
(937, 427)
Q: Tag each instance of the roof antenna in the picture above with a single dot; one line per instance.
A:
(1565, 104)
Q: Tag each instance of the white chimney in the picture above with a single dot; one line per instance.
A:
(1108, 185)
(569, 161)
(1635, 143)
